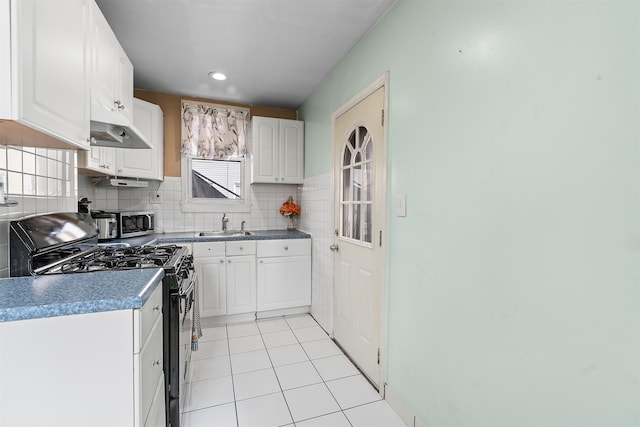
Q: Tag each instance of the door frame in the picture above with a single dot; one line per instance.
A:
(382, 81)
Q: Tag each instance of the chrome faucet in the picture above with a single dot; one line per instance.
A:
(225, 220)
(242, 225)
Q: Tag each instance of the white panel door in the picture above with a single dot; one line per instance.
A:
(104, 52)
(359, 166)
(291, 151)
(124, 84)
(265, 150)
(5, 60)
(213, 290)
(52, 64)
(144, 163)
(283, 282)
(241, 284)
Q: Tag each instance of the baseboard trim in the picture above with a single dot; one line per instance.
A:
(401, 409)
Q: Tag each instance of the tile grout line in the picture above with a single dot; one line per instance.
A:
(233, 383)
(323, 381)
(274, 370)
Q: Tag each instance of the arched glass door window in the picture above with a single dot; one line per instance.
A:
(357, 186)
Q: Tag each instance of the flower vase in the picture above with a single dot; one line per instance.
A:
(292, 223)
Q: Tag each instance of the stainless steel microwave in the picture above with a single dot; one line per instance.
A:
(131, 224)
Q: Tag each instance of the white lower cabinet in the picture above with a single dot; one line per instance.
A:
(86, 369)
(213, 289)
(227, 274)
(284, 274)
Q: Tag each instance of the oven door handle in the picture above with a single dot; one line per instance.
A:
(185, 294)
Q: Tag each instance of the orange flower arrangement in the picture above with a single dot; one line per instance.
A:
(290, 208)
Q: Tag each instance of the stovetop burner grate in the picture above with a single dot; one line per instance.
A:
(121, 258)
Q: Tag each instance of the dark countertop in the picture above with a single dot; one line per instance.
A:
(23, 298)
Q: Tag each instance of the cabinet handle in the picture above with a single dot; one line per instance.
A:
(221, 261)
(156, 363)
(261, 261)
(157, 308)
(286, 248)
(229, 261)
(241, 248)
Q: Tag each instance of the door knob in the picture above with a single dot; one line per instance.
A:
(334, 247)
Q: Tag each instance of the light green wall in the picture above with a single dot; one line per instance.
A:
(514, 279)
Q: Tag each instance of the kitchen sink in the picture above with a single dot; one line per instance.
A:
(223, 233)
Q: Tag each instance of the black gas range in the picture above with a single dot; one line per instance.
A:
(67, 243)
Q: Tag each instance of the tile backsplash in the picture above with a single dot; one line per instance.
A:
(316, 219)
(266, 199)
(41, 181)
(44, 181)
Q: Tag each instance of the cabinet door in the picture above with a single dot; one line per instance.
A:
(149, 369)
(213, 291)
(284, 282)
(156, 417)
(147, 117)
(241, 284)
(51, 52)
(291, 151)
(108, 158)
(90, 159)
(99, 159)
(124, 84)
(265, 150)
(104, 51)
(5, 60)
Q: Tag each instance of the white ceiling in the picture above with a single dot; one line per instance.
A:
(275, 52)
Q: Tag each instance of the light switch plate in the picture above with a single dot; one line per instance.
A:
(401, 205)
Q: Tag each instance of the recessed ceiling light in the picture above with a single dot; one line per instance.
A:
(217, 75)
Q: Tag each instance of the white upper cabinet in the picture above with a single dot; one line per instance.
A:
(98, 159)
(127, 163)
(44, 72)
(5, 59)
(277, 151)
(147, 164)
(111, 70)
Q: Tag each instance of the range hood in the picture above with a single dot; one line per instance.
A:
(109, 128)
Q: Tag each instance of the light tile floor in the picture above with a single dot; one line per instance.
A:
(278, 372)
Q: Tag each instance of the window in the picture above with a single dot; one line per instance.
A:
(357, 186)
(214, 167)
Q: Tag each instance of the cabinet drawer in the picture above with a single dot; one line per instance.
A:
(241, 247)
(150, 369)
(204, 249)
(290, 247)
(145, 317)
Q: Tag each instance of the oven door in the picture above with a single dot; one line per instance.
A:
(187, 302)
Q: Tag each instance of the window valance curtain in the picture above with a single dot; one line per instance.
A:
(210, 131)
